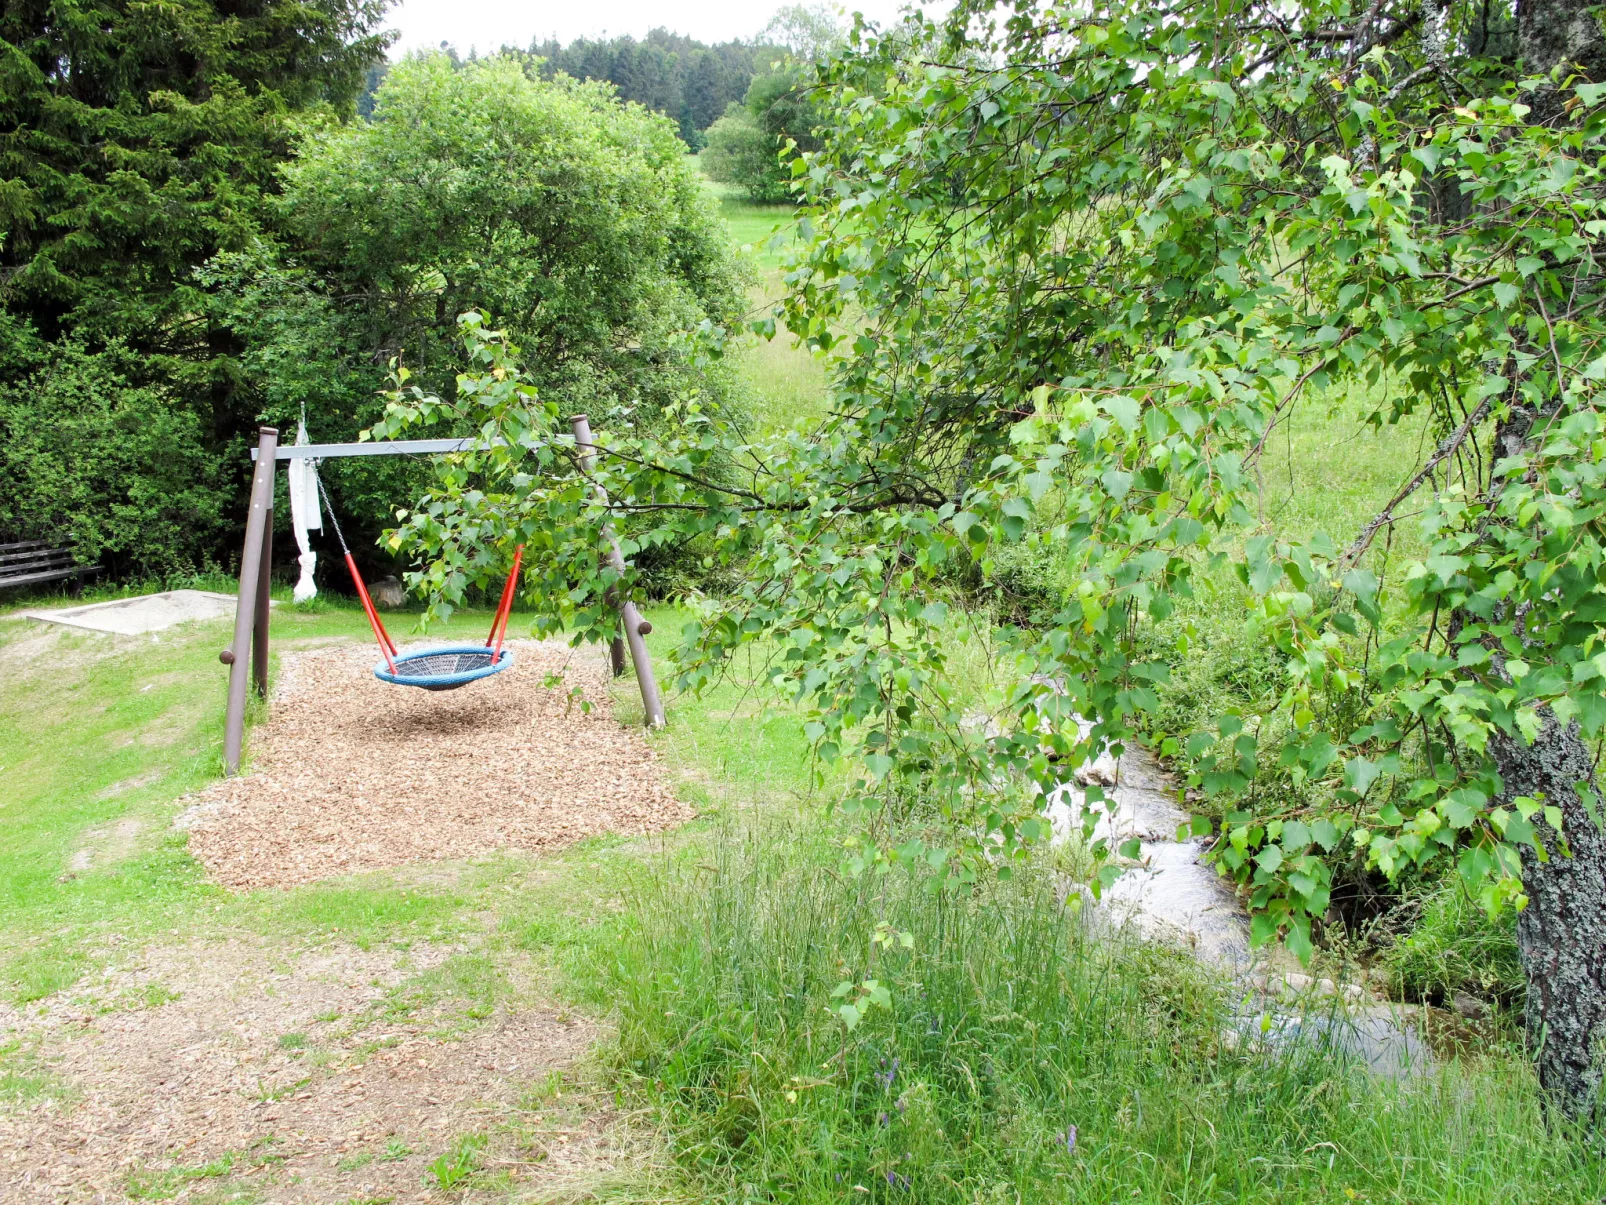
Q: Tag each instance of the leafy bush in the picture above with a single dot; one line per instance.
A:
(744, 147)
(736, 150)
(1456, 947)
(572, 218)
(91, 448)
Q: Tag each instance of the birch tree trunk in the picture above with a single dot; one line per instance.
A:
(1561, 934)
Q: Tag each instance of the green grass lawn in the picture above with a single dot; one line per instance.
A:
(784, 384)
(715, 950)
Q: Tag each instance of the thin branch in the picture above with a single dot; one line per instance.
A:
(1445, 449)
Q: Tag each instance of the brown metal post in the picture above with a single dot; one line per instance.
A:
(264, 605)
(635, 626)
(238, 653)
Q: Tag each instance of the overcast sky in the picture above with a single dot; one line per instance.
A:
(488, 24)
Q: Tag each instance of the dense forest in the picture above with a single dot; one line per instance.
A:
(684, 79)
(692, 82)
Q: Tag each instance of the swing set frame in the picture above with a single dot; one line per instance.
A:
(249, 646)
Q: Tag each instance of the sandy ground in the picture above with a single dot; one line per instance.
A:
(208, 1072)
(350, 774)
(143, 614)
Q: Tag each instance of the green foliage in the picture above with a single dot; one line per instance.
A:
(1017, 1059)
(145, 1184)
(1078, 336)
(680, 77)
(127, 473)
(687, 80)
(1453, 947)
(456, 1165)
(139, 141)
(475, 185)
(737, 151)
(549, 203)
(755, 143)
(300, 352)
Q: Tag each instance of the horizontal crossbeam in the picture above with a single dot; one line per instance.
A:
(382, 447)
(40, 557)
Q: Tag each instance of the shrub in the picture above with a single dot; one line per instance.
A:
(737, 151)
(1456, 947)
(90, 446)
(744, 147)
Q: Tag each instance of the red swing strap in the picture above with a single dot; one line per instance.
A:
(387, 646)
(504, 609)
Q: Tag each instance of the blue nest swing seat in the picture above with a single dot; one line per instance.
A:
(445, 668)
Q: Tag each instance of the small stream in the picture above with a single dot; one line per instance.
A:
(1172, 896)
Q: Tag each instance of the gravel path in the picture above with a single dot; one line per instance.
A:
(197, 1092)
(349, 774)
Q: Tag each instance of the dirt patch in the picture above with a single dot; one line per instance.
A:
(210, 1070)
(350, 774)
(104, 846)
(124, 785)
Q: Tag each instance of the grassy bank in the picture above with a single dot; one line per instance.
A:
(1019, 1058)
(1016, 1059)
(1015, 1063)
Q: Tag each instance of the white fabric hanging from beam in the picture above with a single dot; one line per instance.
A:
(305, 515)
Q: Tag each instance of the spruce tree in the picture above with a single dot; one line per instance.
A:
(138, 140)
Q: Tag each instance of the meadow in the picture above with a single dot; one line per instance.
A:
(1023, 1055)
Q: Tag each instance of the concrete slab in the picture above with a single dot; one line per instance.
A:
(145, 613)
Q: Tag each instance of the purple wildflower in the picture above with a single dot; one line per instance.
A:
(885, 1078)
(1070, 1141)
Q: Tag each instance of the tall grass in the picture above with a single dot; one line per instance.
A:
(1019, 1060)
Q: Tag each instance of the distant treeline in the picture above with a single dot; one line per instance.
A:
(690, 81)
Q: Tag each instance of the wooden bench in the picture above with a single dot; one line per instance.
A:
(32, 562)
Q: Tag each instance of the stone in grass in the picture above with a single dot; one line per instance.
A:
(388, 594)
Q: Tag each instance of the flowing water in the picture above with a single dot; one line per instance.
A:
(1172, 895)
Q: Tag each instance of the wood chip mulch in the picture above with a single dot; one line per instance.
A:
(349, 774)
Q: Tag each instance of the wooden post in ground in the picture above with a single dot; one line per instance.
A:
(634, 625)
(238, 654)
(264, 604)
